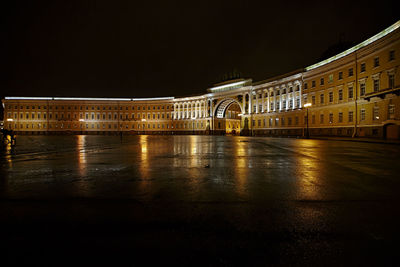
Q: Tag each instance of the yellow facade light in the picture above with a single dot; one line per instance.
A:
(307, 105)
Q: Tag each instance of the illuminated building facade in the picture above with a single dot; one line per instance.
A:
(355, 93)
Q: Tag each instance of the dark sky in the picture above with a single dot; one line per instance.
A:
(169, 48)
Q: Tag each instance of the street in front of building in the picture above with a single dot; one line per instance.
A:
(213, 200)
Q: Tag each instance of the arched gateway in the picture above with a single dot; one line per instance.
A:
(227, 114)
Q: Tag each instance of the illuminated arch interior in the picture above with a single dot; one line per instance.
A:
(223, 107)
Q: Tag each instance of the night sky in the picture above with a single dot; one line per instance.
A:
(172, 48)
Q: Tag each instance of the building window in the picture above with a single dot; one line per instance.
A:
(313, 119)
(313, 99)
(340, 119)
(376, 62)
(313, 84)
(362, 115)
(322, 81)
(391, 55)
(362, 68)
(330, 97)
(289, 121)
(376, 85)
(330, 117)
(350, 72)
(391, 81)
(351, 92)
(322, 98)
(340, 75)
(305, 85)
(362, 89)
(350, 116)
(340, 94)
(391, 111)
(376, 113)
(283, 122)
(321, 118)
(330, 78)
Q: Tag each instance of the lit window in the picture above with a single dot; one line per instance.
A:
(391, 111)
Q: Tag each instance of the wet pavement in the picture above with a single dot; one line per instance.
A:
(198, 200)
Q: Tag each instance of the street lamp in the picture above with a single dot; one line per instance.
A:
(307, 105)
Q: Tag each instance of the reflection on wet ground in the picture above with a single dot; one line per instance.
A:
(279, 201)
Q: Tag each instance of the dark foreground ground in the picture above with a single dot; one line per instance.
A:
(198, 200)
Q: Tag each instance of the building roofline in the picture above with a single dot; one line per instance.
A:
(87, 98)
(370, 40)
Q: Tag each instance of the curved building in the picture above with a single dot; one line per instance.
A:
(354, 93)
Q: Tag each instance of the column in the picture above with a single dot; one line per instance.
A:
(257, 103)
(300, 96)
(244, 104)
(268, 99)
(262, 101)
(250, 100)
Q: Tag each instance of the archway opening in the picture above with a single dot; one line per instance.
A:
(228, 117)
(233, 115)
